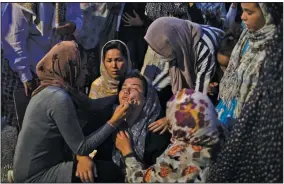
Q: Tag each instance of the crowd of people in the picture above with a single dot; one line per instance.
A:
(144, 92)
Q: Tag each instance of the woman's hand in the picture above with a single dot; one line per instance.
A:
(160, 125)
(119, 114)
(85, 169)
(213, 88)
(123, 143)
(132, 21)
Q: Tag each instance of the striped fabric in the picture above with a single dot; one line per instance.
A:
(206, 56)
(204, 65)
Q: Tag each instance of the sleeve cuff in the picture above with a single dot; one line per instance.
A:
(129, 155)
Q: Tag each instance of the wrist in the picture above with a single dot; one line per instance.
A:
(111, 122)
(126, 152)
(80, 157)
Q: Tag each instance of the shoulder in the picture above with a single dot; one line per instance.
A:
(98, 81)
(58, 95)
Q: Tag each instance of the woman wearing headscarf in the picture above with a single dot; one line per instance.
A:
(115, 63)
(187, 55)
(242, 73)
(187, 51)
(144, 109)
(51, 131)
(194, 128)
(254, 151)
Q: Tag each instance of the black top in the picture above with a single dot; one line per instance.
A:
(133, 32)
(155, 144)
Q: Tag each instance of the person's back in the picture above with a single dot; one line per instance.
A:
(40, 143)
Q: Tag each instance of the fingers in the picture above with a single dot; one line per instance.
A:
(154, 125)
(156, 129)
(136, 15)
(127, 135)
(90, 176)
(126, 20)
(26, 91)
(164, 130)
(86, 179)
(82, 177)
(128, 16)
(160, 121)
(77, 174)
(121, 135)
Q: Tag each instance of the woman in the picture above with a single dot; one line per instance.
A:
(187, 49)
(194, 128)
(254, 151)
(187, 53)
(115, 63)
(242, 73)
(144, 109)
(51, 125)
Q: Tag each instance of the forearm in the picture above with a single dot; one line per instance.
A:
(133, 167)
(95, 139)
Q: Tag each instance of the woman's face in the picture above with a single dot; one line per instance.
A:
(115, 63)
(223, 61)
(252, 16)
(132, 92)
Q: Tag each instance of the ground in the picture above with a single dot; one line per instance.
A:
(8, 143)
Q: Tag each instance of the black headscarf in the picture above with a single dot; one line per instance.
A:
(254, 151)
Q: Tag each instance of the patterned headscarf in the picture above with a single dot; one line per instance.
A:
(105, 85)
(242, 74)
(61, 67)
(194, 128)
(150, 112)
(254, 151)
(34, 9)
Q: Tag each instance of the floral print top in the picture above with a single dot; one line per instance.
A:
(194, 128)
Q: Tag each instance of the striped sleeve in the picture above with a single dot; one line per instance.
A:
(206, 54)
(205, 66)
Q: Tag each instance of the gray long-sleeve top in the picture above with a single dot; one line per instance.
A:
(50, 122)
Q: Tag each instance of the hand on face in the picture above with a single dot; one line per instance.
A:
(123, 143)
(132, 92)
(119, 114)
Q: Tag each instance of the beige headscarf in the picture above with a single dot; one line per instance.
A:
(61, 67)
(176, 38)
(105, 85)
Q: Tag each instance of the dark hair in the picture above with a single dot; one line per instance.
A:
(228, 43)
(135, 74)
(115, 45)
